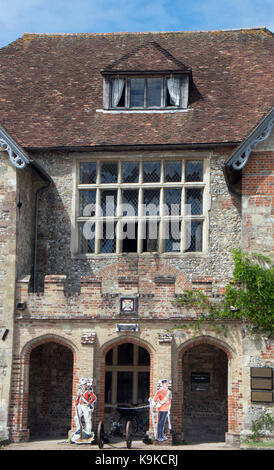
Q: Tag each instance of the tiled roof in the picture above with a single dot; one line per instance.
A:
(51, 86)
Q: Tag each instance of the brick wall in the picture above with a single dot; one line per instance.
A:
(258, 195)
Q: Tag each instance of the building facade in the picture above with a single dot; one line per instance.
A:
(130, 166)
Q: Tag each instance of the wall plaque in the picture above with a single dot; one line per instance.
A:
(126, 327)
(265, 372)
(200, 381)
(261, 396)
(261, 384)
(128, 305)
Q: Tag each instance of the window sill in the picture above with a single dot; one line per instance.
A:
(195, 254)
(142, 111)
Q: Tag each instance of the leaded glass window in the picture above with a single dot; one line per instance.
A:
(141, 206)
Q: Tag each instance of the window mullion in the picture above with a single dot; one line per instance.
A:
(119, 222)
(127, 92)
(97, 225)
(140, 228)
(160, 232)
(145, 93)
(163, 94)
(183, 236)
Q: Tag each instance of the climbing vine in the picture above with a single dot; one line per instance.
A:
(249, 296)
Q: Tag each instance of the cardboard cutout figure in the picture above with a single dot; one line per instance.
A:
(160, 409)
(84, 406)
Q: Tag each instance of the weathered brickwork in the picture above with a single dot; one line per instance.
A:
(257, 184)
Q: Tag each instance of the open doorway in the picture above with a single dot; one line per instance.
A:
(50, 391)
(205, 410)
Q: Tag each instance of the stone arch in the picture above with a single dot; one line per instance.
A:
(125, 339)
(34, 342)
(207, 339)
(19, 416)
(105, 348)
(189, 345)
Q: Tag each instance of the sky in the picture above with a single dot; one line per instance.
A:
(101, 16)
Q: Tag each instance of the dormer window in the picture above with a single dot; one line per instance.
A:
(146, 92)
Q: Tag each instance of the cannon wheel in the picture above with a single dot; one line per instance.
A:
(101, 435)
(129, 434)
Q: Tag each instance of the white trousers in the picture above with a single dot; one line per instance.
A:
(86, 412)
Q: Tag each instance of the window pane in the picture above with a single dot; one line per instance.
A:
(87, 201)
(143, 356)
(151, 201)
(130, 172)
(124, 387)
(87, 237)
(172, 235)
(172, 201)
(150, 231)
(194, 198)
(107, 237)
(130, 202)
(143, 387)
(109, 357)
(118, 92)
(108, 202)
(137, 92)
(108, 387)
(125, 354)
(129, 237)
(109, 172)
(152, 171)
(173, 171)
(154, 91)
(88, 173)
(194, 235)
(194, 170)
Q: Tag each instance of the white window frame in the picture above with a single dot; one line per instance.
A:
(77, 218)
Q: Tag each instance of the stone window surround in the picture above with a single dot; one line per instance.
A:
(141, 156)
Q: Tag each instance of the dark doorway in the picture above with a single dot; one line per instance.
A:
(204, 394)
(50, 391)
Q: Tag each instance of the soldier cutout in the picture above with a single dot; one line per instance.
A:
(84, 406)
(161, 403)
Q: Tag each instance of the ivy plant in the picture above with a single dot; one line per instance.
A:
(249, 296)
(264, 422)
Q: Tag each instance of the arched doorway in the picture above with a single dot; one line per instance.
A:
(127, 381)
(50, 390)
(205, 409)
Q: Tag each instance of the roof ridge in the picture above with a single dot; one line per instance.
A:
(116, 33)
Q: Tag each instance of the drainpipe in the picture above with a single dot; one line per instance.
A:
(36, 234)
(46, 178)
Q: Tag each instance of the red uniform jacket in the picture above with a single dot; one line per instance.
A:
(86, 398)
(160, 396)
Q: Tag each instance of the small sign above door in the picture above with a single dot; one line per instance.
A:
(200, 381)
